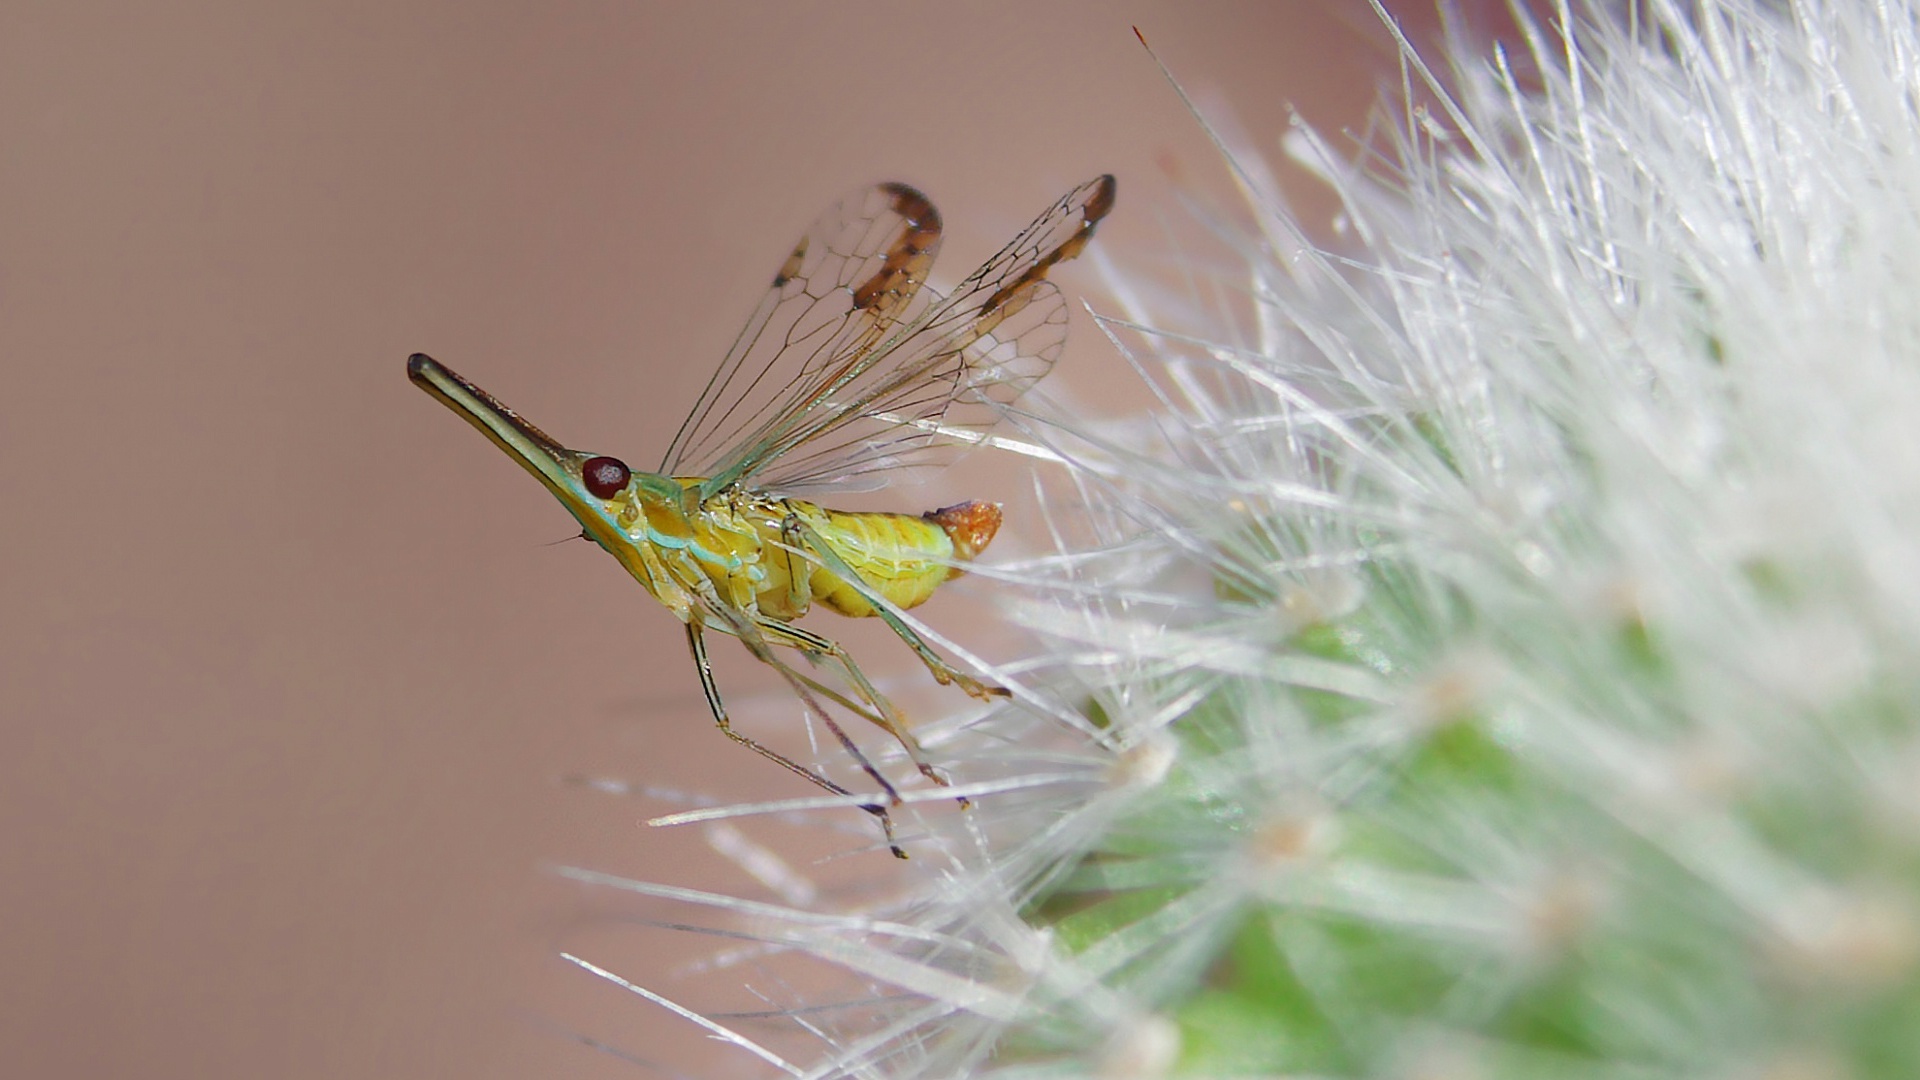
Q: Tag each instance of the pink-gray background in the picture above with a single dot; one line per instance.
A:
(288, 681)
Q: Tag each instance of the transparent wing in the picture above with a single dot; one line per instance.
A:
(834, 299)
(937, 378)
(923, 413)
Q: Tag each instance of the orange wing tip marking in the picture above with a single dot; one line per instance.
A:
(911, 205)
(970, 525)
(897, 270)
(1097, 205)
(1101, 204)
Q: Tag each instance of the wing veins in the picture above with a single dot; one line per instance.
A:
(915, 368)
(851, 275)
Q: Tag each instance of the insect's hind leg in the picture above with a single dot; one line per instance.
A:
(799, 533)
(696, 641)
(884, 715)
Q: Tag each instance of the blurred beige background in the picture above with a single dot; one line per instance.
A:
(290, 679)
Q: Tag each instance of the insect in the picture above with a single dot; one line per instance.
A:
(850, 371)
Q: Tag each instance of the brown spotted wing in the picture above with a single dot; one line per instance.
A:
(852, 369)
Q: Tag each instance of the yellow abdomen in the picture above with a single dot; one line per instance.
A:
(900, 556)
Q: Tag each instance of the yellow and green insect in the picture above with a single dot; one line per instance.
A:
(850, 372)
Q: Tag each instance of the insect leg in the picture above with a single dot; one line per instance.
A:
(943, 672)
(884, 715)
(748, 633)
(697, 643)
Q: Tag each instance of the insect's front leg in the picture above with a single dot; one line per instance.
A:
(663, 583)
(943, 672)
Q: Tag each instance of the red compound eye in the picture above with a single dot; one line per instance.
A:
(605, 477)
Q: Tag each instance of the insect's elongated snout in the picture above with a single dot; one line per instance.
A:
(534, 449)
(582, 482)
